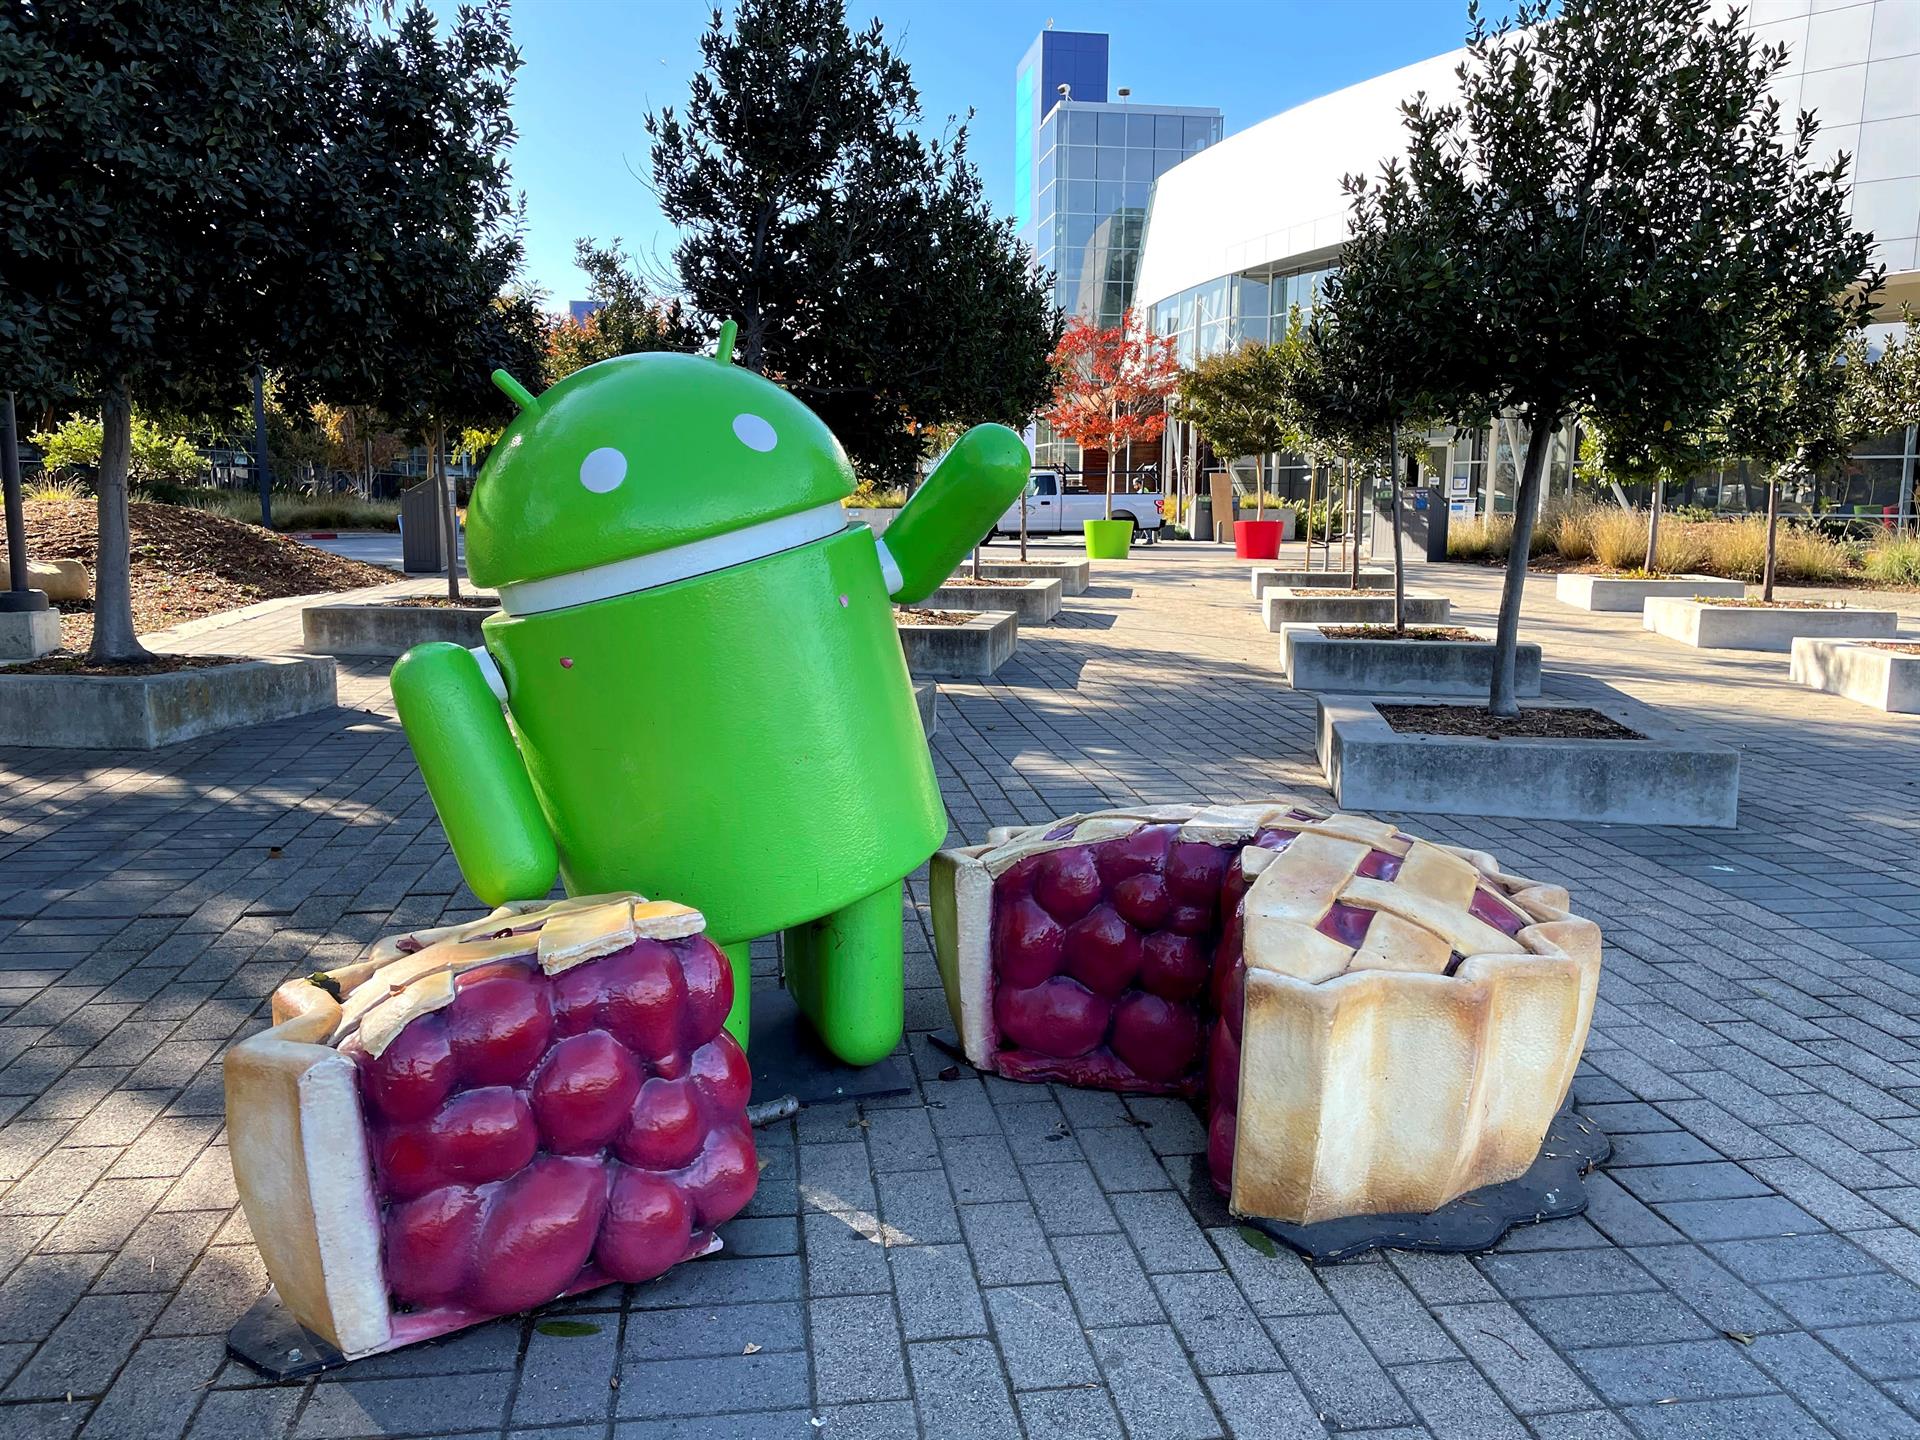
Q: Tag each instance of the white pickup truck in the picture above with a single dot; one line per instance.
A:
(1052, 510)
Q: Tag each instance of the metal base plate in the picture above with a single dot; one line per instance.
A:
(1550, 1189)
(787, 1058)
(274, 1343)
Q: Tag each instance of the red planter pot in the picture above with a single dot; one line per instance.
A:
(1256, 539)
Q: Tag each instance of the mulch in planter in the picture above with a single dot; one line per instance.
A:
(443, 602)
(1734, 604)
(61, 664)
(1412, 632)
(914, 615)
(1902, 647)
(983, 580)
(1541, 724)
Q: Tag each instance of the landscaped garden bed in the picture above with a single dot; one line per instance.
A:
(393, 627)
(1267, 577)
(1424, 660)
(68, 703)
(1586, 537)
(1284, 605)
(187, 563)
(1612, 760)
(1034, 601)
(959, 643)
(1585, 591)
(1708, 623)
(1882, 673)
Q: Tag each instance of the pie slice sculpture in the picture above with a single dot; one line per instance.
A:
(1374, 1024)
(482, 1118)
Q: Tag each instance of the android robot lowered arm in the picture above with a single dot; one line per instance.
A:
(704, 696)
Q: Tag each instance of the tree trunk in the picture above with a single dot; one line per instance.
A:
(1393, 502)
(1773, 534)
(114, 640)
(1307, 529)
(1259, 488)
(264, 477)
(1501, 699)
(1023, 523)
(976, 562)
(1353, 524)
(450, 528)
(1653, 524)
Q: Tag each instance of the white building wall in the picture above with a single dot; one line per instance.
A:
(1271, 195)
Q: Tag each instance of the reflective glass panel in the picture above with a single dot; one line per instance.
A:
(1107, 164)
(1083, 127)
(1081, 197)
(1077, 162)
(1139, 165)
(1166, 132)
(1140, 132)
(1113, 130)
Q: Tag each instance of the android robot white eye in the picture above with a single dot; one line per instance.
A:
(603, 470)
(755, 433)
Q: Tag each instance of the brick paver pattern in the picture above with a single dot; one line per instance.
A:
(985, 1259)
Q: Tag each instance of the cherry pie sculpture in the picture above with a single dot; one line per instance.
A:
(1373, 1023)
(482, 1118)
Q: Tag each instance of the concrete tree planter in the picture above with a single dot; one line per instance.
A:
(1625, 592)
(1073, 575)
(1314, 660)
(1875, 675)
(144, 712)
(926, 699)
(976, 649)
(1284, 605)
(1707, 626)
(1267, 577)
(389, 630)
(1667, 777)
(874, 518)
(1034, 601)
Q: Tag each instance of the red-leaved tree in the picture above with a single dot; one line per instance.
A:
(1111, 388)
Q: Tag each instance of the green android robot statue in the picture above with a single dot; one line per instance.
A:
(704, 696)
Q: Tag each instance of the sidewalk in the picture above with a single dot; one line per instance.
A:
(983, 1259)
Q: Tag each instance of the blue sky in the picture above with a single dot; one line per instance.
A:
(594, 67)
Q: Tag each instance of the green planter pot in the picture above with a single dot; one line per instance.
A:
(1108, 539)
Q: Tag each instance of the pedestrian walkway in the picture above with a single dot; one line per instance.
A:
(985, 1259)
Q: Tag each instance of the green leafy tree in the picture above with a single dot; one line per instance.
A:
(194, 187)
(1640, 448)
(860, 258)
(630, 318)
(1237, 400)
(1607, 200)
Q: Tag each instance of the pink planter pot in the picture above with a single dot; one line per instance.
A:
(1257, 539)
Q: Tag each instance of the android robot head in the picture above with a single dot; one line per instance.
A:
(642, 454)
(706, 695)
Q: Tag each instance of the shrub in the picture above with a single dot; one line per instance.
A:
(1893, 560)
(869, 496)
(1481, 541)
(294, 511)
(156, 458)
(46, 487)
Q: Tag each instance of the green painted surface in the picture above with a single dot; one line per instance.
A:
(474, 772)
(1108, 539)
(745, 741)
(969, 489)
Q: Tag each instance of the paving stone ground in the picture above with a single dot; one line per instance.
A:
(984, 1259)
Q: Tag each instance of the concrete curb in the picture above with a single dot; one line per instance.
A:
(1672, 777)
(1034, 601)
(1751, 627)
(1268, 577)
(975, 649)
(1313, 660)
(144, 712)
(1283, 605)
(388, 630)
(1074, 575)
(1885, 679)
(1626, 593)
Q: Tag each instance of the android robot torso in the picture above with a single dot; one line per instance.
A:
(696, 652)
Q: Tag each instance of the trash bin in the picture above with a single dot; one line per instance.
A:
(1202, 527)
(420, 549)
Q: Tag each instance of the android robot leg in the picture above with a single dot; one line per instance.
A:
(845, 972)
(739, 961)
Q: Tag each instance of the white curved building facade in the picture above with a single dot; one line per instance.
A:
(1246, 228)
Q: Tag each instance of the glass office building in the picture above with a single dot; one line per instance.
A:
(1084, 170)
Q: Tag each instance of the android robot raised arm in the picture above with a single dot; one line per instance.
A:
(704, 696)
